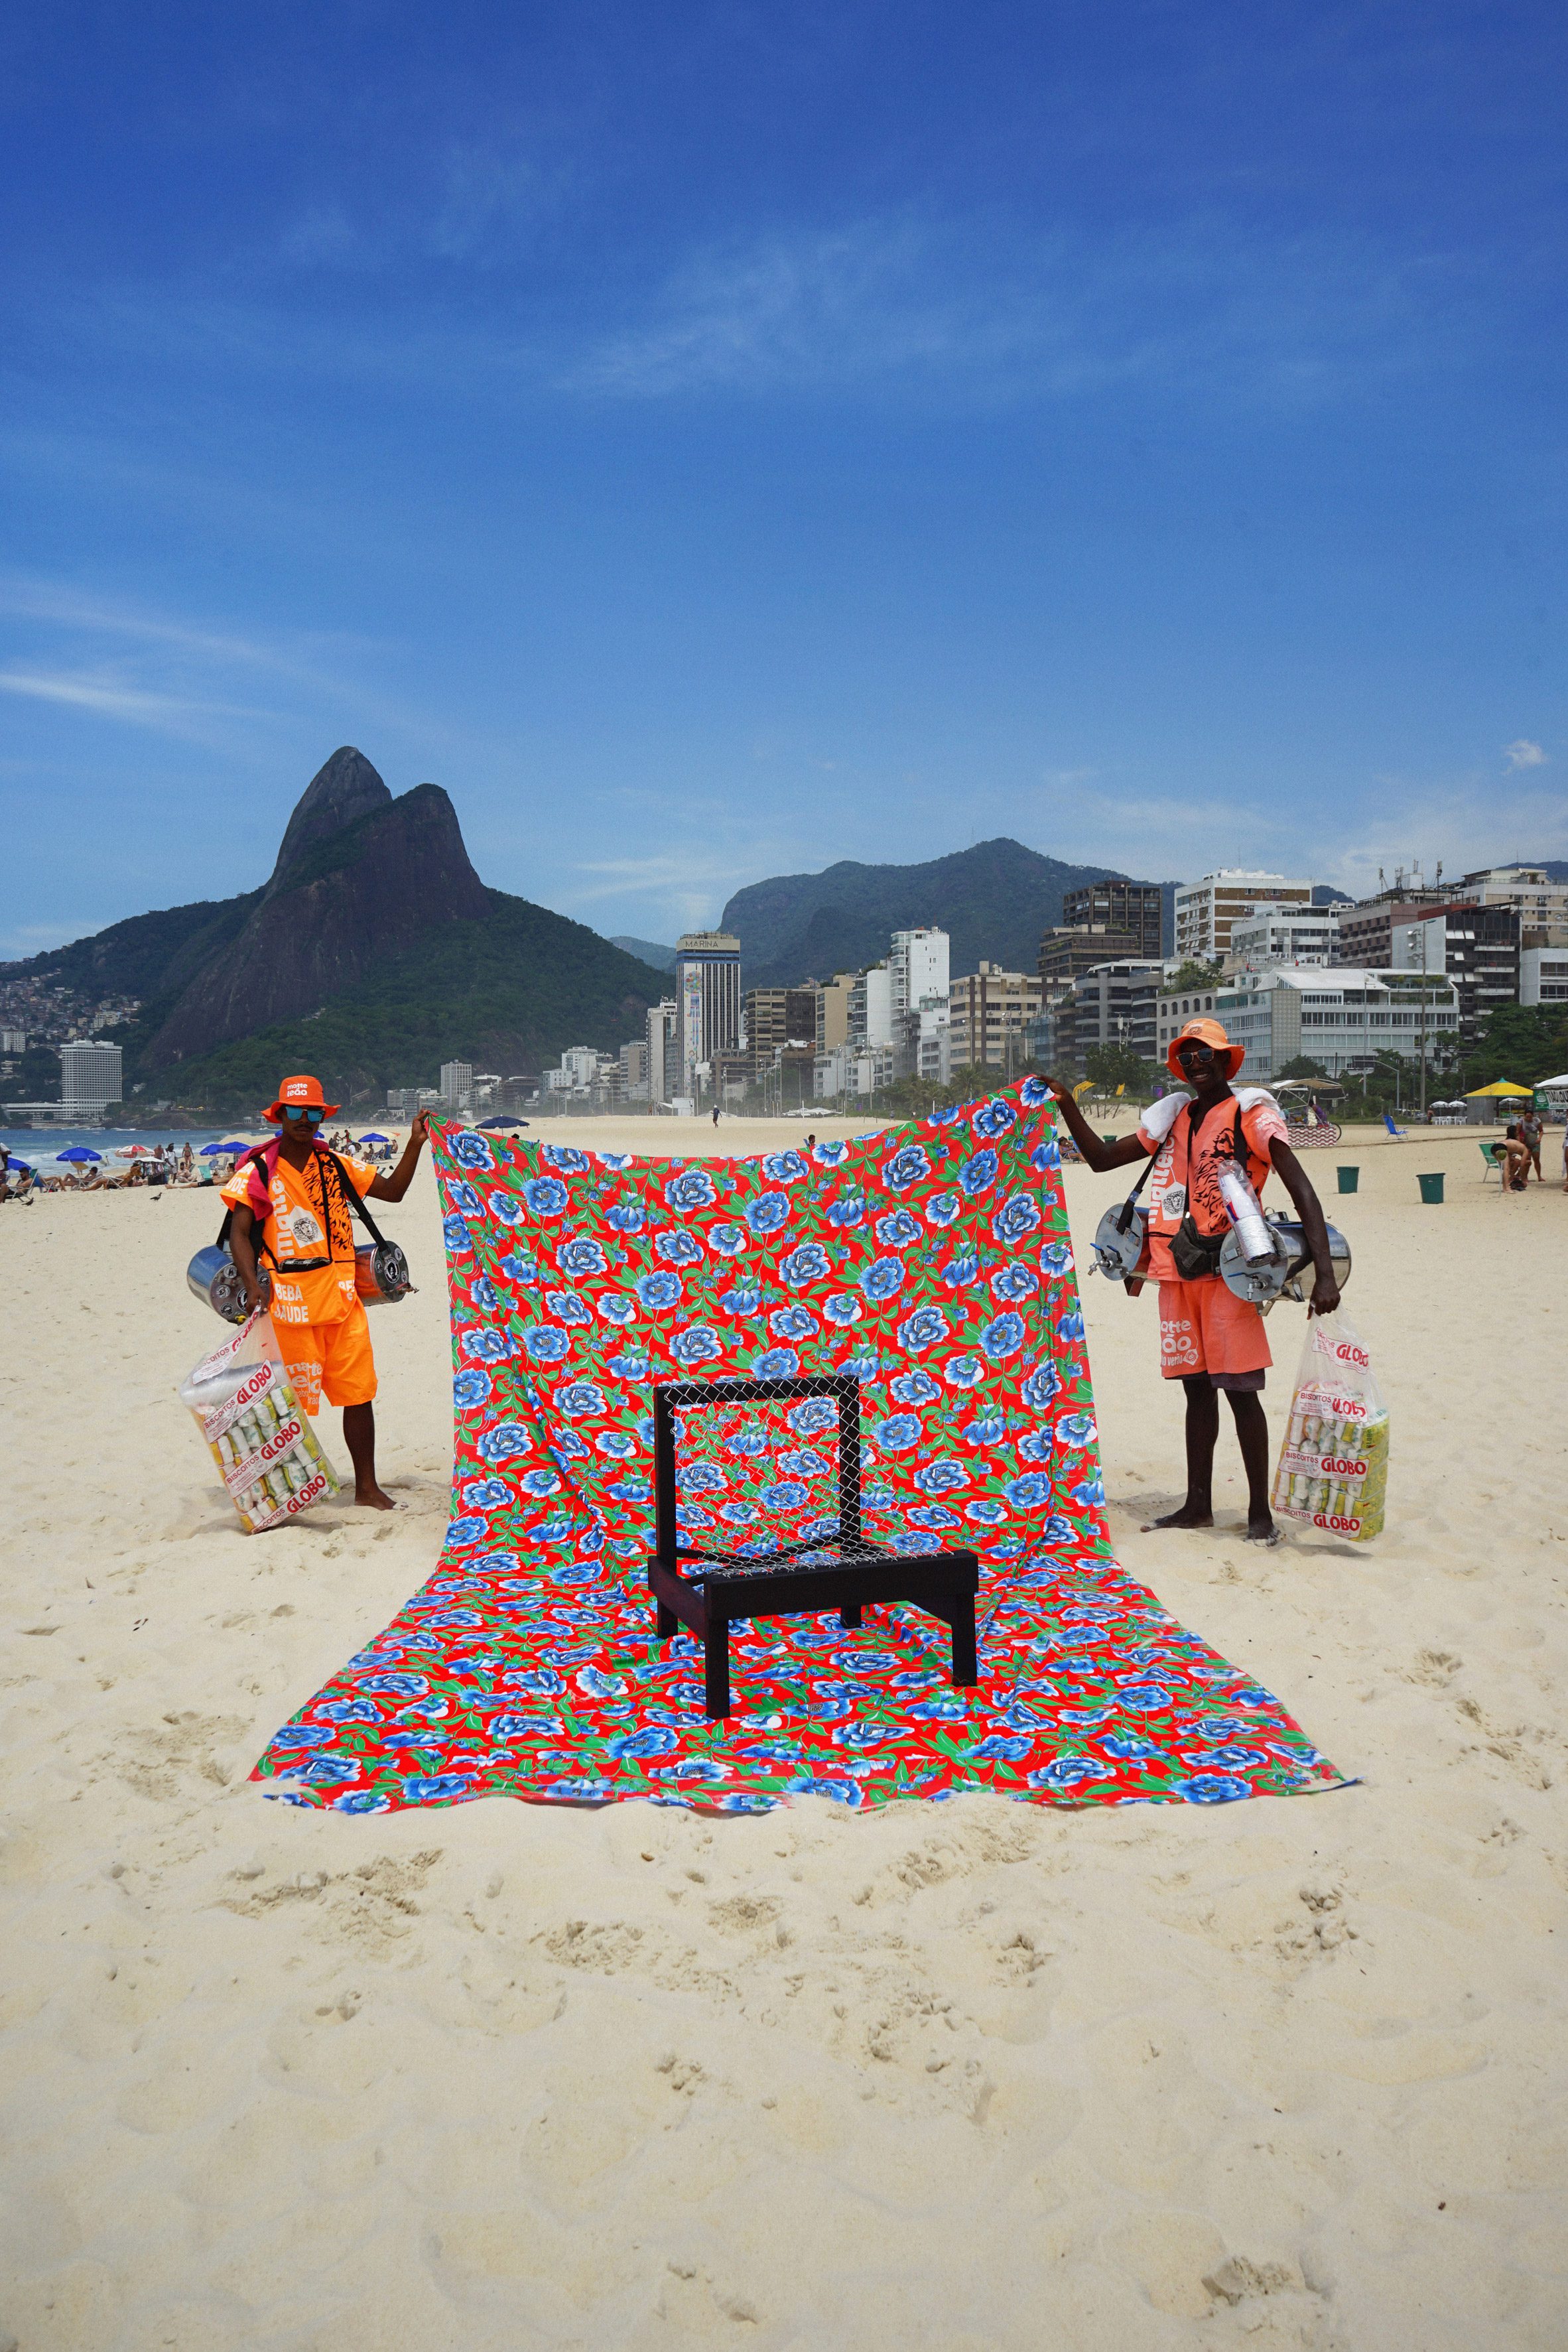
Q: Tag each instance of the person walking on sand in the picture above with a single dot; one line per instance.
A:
(1209, 1338)
(1529, 1132)
(287, 1199)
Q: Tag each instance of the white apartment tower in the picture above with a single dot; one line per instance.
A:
(91, 1075)
(707, 1002)
(1207, 911)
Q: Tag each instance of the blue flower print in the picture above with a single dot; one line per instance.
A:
(630, 1490)
(1038, 1445)
(932, 1516)
(593, 1683)
(435, 1788)
(568, 1447)
(546, 1195)
(803, 1265)
(1144, 1698)
(1057, 1531)
(470, 1150)
(987, 1428)
(396, 1685)
(1055, 1258)
(655, 1741)
(1041, 1386)
(923, 1329)
(1004, 1337)
(1028, 1493)
(859, 1734)
(613, 1159)
(941, 1477)
(860, 1364)
(746, 1442)
(563, 1156)
(541, 1481)
(545, 1344)
(1012, 1283)
(785, 1167)
(1212, 1789)
(1068, 1773)
(580, 1257)
(504, 1443)
(302, 1735)
(1018, 1215)
(787, 1495)
(941, 1209)
(828, 1155)
(575, 1398)
(906, 1167)
(630, 1217)
(1032, 1093)
(691, 1188)
(914, 1387)
(994, 1119)
(485, 1296)
(1001, 1747)
(455, 1234)
(727, 1240)
(1070, 1327)
(767, 1215)
(986, 1510)
(484, 1347)
(464, 1197)
(945, 1706)
(896, 1434)
(517, 1266)
(1129, 1744)
(695, 1345)
(1091, 1494)
(567, 1308)
(505, 1208)
(849, 1209)
(793, 1323)
(1046, 1155)
(805, 1463)
(963, 1371)
(677, 1248)
(659, 1290)
(470, 1389)
(362, 1800)
(776, 1364)
(484, 1493)
(810, 1419)
(896, 1230)
(494, 1563)
(632, 1365)
(739, 1515)
(702, 1478)
(617, 1443)
(842, 1308)
(1221, 1759)
(324, 1771)
(883, 1277)
(466, 1532)
(352, 1710)
(978, 1174)
(1076, 1429)
(745, 1299)
(616, 1307)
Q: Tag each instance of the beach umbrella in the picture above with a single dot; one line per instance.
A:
(211, 1151)
(132, 1152)
(375, 1139)
(78, 1151)
(494, 1123)
(1498, 1086)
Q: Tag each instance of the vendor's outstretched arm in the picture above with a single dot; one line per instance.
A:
(1096, 1155)
(1309, 1208)
(392, 1187)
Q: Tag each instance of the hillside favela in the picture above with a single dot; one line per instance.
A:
(374, 951)
(784, 1177)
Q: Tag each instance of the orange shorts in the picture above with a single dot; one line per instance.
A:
(1205, 1328)
(330, 1359)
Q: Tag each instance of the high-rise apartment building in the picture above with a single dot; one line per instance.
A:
(778, 1021)
(663, 1052)
(871, 1007)
(1206, 911)
(456, 1083)
(708, 1004)
(1272, 935)
(90, 1075)
(988, 1013)
(1134, 908)
(1115, 1004)
(1070, 950)
(832, 1011)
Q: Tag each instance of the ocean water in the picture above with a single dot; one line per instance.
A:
(40, 1145)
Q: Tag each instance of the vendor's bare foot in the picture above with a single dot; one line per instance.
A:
(373, 1500)
(1191, 1515)
(1262, 1531)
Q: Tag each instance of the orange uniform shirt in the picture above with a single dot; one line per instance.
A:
(1187, 1175)
(308, 1219)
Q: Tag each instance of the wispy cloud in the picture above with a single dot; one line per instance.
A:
(169, 713)
(1524, 754)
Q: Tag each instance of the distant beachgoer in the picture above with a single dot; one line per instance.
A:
(1530, 1136)
(287, 1201)
(1209, 1338)
(715, 1114)
(1513, 1156)
(811, 1143)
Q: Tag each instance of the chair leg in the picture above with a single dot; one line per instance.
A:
(850, 1617)
(965, 1664)
(669, 1623)
(716, 1664)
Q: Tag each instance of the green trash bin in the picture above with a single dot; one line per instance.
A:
(1350, 1180)
(1432, 1189)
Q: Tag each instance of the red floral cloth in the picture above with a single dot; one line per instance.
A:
(930, 1261)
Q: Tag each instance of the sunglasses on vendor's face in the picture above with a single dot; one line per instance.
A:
(311, 1118)
(1187, 1055)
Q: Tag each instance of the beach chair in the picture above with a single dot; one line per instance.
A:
(1493, 1160)
(1395, 1134)
(842, 1572)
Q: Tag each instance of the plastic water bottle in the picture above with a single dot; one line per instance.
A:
(1242, 1208)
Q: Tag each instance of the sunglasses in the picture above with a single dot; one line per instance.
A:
(1194, 1054)
(310, 1118)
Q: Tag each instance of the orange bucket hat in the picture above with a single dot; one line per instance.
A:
(1207, 1032)
(299, 1094)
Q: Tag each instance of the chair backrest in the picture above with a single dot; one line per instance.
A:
(667, 1395)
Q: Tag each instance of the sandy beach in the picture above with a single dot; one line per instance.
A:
(982, 2077)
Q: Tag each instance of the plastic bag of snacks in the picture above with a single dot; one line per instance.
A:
(242, 1401)
(1333, 1464)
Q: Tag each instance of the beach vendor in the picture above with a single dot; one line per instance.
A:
(1209, 1338)
(289, 1203)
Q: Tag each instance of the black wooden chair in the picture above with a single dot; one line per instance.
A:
(722, 1588)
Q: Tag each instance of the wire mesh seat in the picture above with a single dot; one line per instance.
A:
(834, 1567)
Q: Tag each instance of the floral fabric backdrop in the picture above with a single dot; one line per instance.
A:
(933, 1264)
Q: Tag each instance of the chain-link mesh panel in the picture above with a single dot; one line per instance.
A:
(766, 1472)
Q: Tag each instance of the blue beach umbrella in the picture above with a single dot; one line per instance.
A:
(78, 1151)
(375, 1139)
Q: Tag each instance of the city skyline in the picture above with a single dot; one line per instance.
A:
(721, 433)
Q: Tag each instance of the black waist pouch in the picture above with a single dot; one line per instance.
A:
(1193, 1253)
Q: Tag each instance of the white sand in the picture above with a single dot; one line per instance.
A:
(989, 2075)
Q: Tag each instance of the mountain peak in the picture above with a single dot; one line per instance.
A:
(346, 788)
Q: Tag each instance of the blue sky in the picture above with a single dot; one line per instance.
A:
(713, 440)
